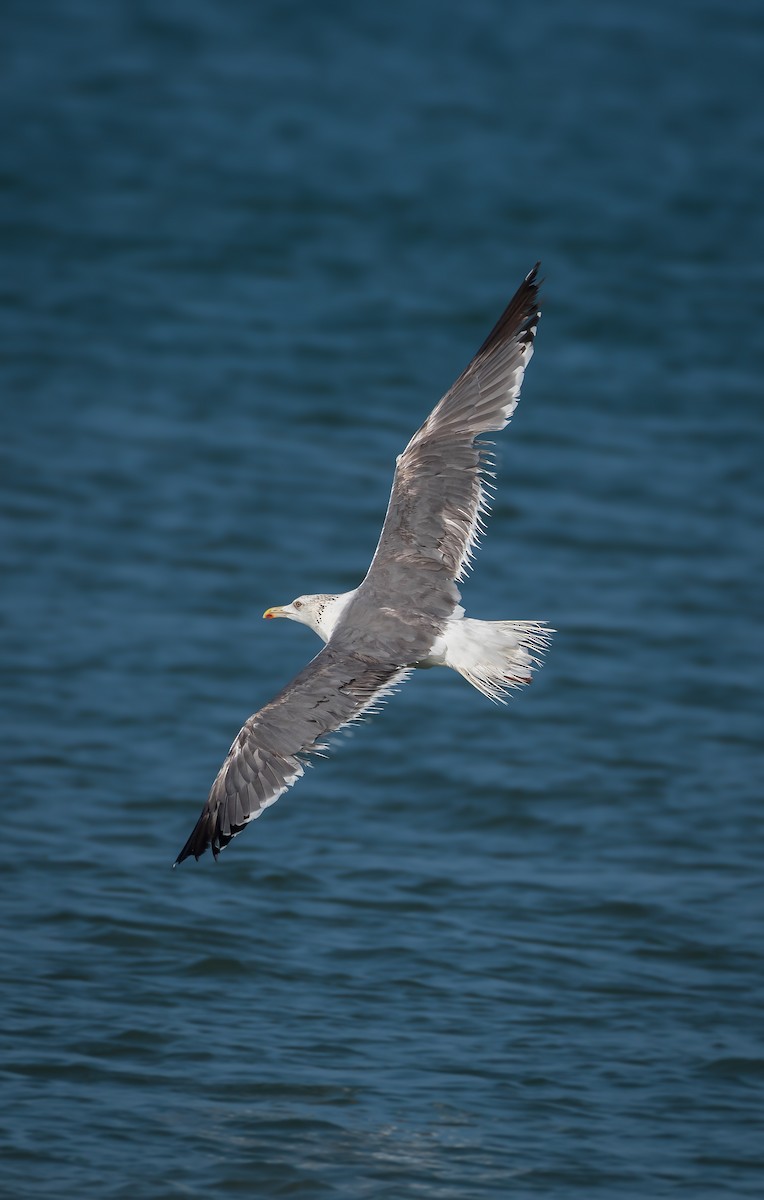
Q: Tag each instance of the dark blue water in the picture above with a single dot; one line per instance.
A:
(479, 952)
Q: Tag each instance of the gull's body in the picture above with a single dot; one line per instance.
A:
(406, 612)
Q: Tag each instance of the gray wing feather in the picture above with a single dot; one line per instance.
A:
(440, 488)
(273, 746)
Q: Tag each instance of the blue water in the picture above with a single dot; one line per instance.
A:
(478, 952)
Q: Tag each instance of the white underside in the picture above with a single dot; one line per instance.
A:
(494, 656)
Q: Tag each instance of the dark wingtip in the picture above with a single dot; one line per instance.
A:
(532, 278)
(519, 318)
(214, 828)
(198, 841)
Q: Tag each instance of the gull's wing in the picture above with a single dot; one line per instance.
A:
(271, 750)
(439, 490)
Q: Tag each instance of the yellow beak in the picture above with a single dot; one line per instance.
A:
(273, 612)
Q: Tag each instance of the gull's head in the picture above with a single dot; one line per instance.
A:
(308, 610)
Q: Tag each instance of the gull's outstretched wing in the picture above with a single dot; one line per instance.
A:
(439, 490)
(272, 748)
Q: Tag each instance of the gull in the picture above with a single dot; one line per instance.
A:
(406, 612)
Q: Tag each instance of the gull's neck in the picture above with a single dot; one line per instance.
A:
(330, 613)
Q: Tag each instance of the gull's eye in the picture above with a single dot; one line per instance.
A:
(298, 603)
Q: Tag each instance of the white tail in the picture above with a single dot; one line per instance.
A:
(495, 656)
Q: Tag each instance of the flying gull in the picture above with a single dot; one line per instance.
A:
(406, 612)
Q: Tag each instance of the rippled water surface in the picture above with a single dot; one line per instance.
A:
(478, 952)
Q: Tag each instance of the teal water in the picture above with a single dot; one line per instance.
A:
(478, 952)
